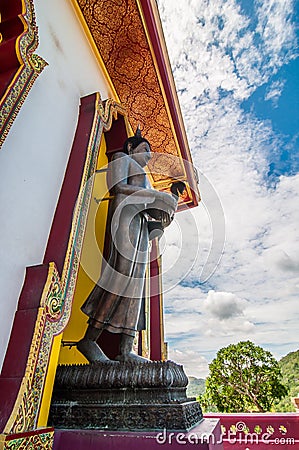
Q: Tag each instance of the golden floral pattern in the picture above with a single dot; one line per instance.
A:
(40, 440)
(31, 65)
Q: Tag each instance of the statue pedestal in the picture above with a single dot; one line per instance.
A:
(205, 436)
(122, 396)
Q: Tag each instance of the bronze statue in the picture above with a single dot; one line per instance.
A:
(137, 214)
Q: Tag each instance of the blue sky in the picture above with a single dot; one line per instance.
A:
(236, 69)
(283, 112)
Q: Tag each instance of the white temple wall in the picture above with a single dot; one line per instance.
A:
(34, 156)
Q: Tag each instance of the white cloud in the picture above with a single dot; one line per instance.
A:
(274, 92)
(196, 363)
(215, 44)
(276, 29)
(223, 305)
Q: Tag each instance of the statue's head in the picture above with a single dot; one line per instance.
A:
(138, 148)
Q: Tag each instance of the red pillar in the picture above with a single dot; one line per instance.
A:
(156, 305)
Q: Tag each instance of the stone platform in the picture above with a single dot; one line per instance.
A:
(205, 436)
(123, 396)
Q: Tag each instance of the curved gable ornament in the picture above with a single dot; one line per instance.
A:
(19, 65)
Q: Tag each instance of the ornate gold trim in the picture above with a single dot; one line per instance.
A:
(23, 416)
(56, 300)
(31, 65)
(40, 440)
(166, 60)
(169, 72)
(94, 48)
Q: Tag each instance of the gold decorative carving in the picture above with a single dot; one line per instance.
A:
(41, 440)
(31, 65)
(117, 29)
(108, 111)
(56, 300)
(53, 303)
(24, 415)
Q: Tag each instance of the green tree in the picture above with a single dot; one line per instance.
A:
(243, 377)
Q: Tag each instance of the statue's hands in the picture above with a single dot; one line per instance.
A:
(163, 208)
(166, 219)
(169, 203)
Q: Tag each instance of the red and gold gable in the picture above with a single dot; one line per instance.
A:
(128, 37)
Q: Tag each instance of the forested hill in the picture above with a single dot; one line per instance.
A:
(289, 366)
(196, 387)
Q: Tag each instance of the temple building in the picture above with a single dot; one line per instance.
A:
(77, 77)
